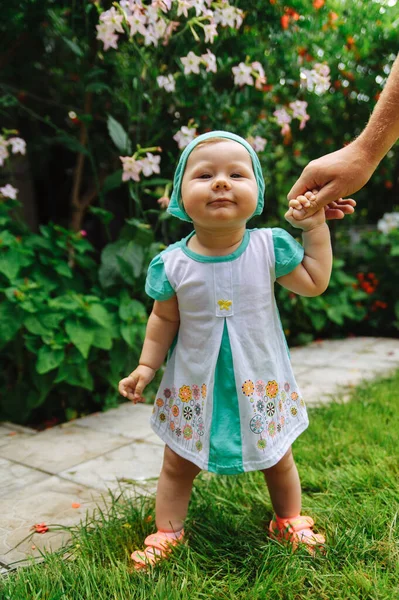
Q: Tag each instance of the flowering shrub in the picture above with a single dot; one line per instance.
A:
(374, 262)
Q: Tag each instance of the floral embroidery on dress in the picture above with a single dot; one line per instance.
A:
(185, 393)
(272, 408)
(182, 412)
(272, 389)
(248, 387)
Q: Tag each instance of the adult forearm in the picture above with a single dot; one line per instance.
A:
(160, 334)
(382, 130)
(317, 259)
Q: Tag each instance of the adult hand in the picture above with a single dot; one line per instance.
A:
(335, 175)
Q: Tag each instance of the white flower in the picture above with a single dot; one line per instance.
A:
(258, 143)
(106, 35)
(316, 80)
(282, 116)
(191, 63)
(9, 191)
(112, 19)
(298, 108)
(389, 222)
(210, 61)
(3, 150)
(150, 164)
(260, 78)
(131, 168)
(168, 83)
(200, 8)
(242, 74)
(210, 33)
(160, 28)
(130, 6)
(137, 22)
(183, 6)
(151, 36)
(164, 5)
(184, 136)
(17, 145)
(229, 16)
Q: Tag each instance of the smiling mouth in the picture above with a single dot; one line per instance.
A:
(221, 201)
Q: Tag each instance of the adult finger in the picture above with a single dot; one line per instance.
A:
(325, 195)
(305, 183)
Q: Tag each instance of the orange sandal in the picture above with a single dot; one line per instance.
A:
(156, 541)
(297, 530)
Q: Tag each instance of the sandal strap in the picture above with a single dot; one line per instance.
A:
(161, 541)
(296, 524)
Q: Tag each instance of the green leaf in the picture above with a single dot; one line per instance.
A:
(105, 216)
(102, 339)
(71, 143)
(11, 319)
(74, 47)
(65, 302)
(98, 87)
(335, 315)
(118, 135)
(113, 181)
(48, 359)
(318, 320)
(64, 270)
(33, 325)
(99, 314)
(11, 262)
(80, 335)
(132, 309)
(75, 375)
(129, 334)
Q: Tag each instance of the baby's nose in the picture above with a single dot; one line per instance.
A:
(221, 182)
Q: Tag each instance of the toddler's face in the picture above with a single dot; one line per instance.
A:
(219, 186)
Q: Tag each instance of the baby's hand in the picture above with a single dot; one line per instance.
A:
(300, 204)
(133, 386)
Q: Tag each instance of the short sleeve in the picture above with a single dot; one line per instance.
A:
(157, 285)
(287, 251)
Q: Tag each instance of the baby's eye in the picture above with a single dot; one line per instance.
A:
(236, 175)
(204, 176)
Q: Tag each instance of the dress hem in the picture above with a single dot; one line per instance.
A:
(231, 469)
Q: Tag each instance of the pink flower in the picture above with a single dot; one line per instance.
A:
(83, 233)
(163, 202)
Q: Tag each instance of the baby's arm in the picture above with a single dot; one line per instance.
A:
(312, 276)
(162, 327)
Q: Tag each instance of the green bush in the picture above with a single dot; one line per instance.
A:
(69, 328)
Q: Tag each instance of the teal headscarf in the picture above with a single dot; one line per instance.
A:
(176, 207)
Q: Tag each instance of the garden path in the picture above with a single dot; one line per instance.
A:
(58, 475)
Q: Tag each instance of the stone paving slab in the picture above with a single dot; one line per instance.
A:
(8, 430)
(61, 447)
(49, 501)
(14, 476)
(119, 468)
(130, 420)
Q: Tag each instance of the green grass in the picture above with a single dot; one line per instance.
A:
(348, 462)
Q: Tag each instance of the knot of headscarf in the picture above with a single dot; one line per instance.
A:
(176, 207)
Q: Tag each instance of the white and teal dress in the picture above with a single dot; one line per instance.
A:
(228, 400)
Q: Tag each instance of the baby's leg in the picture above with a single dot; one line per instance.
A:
(285, 493)
(174, 491)
(284, 486)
